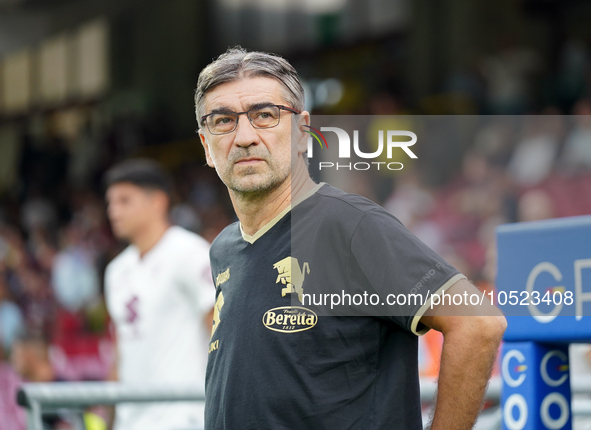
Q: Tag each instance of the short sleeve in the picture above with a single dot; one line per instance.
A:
(195, 278)
(395, 262)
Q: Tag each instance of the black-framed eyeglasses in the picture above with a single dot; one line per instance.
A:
(225, 122)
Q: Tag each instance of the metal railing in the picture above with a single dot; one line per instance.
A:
(40, 398)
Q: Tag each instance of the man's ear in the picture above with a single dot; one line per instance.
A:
(208, 158)
(302, 141)
(164, 201)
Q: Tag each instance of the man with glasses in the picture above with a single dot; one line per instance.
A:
(276, 365)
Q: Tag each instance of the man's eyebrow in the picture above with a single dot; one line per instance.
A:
(221, 109)
(258, 105)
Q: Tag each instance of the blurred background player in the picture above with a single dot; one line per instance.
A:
(159, 294)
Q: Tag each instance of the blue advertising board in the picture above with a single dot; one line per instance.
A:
(544, 280)
(536, 386)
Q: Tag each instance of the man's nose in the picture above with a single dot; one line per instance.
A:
(246, 134)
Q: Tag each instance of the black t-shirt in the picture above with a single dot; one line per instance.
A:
(275, 363)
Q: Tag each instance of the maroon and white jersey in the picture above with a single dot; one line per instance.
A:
(158, 305)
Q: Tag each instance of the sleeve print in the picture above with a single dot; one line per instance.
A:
(395, 261)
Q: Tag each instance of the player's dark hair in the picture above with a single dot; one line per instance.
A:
(143, 173)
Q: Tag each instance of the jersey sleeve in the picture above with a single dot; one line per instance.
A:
(395, 261)
(195, 278)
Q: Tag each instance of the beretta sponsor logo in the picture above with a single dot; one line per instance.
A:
(289, 319)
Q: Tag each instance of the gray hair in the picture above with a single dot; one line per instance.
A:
(237, 63)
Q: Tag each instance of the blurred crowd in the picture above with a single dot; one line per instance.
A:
(517, 168)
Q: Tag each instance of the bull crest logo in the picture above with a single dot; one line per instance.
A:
(291, 276)
(217, 308)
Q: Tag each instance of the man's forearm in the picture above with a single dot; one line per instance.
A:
(467, 360)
